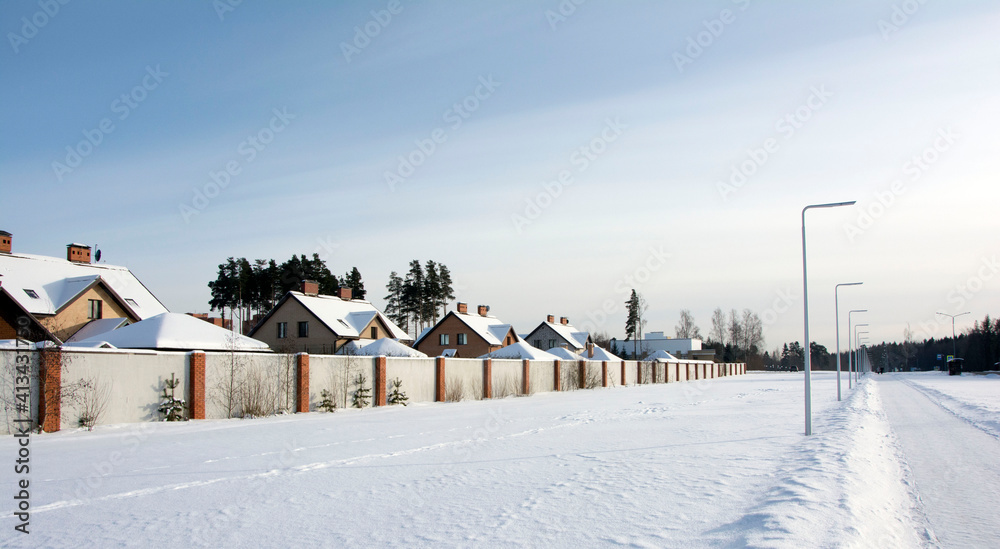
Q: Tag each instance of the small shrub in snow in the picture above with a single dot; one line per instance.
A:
(329, 402)
(171, 408)
(363, 393)
(397, 396)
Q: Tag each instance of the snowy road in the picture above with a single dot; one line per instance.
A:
(954, 465)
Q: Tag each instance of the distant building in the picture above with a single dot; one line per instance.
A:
(464, 335)
(308, 322)
(53, 299)
(549, 335)
(687, 349)
(226, 323)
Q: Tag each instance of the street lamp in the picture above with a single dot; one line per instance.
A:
(836, 307)
(850, 346)
(954, 352)
(857, 357)
(805, 307)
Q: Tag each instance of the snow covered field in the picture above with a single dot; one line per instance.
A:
(718, 463)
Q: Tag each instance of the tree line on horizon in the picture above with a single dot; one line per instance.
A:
(421, 298)
(247, 289)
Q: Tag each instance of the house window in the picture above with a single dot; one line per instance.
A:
(537, 343)
(31, 293)
(462, 339)
(508, 340)
(552, 343)
(304, 329)
(443, 339)
(374, 332)
(282, 330)
(95, 306)
(131, 302)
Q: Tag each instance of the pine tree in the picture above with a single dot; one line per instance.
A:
(394, 302)
(329, 403)
(413, 295)
(363, 393)
(397, 396)
(353, 281)
(446, 293)
(171, 407)
(632, 321)
(432, 293)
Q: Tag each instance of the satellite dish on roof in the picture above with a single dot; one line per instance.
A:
(97, 256)
(487, 308)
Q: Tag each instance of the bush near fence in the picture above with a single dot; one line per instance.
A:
(126, 386)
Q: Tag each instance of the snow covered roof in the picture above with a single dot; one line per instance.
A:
(490, 328)
(520, 350)
(575, 338)
(345, 318)
(601, 354)
(662, 356)
(97, 327)
(175, 331)
(389, 347)
(564, 354)
(43, 285)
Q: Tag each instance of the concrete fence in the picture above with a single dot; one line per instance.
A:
(127, 386)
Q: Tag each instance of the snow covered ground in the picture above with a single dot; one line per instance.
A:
(717, 463)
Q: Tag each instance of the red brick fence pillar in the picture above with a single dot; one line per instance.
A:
(380, 381)
(487, 378)
(526, 377)
(439, 379)
(623, 373)
(557, 373)
(50, 400)
(604, 373)
(196, 385)
(302, 383)
(581, 368)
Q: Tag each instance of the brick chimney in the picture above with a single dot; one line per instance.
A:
(345, 293)
(5, 242)
(564, 321)
(482, 310)
(550, 319)
(463, 308)
(590, 350)
(310, 287)
(78, 253)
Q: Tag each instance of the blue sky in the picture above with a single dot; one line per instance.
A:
(808, 102)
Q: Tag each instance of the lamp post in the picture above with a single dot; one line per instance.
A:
(954, 347)
(805, 307)
(850, 347)
(857, 357)
(836, 307)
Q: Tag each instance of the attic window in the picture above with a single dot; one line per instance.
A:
(340, 320)
(31, 293)
(131, 302)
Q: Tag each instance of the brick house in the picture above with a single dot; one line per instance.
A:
(306, 321)
(56, 299)
(465, 335)
(549, 335)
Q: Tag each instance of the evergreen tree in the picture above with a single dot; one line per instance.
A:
(632, 321)
(397, 396)
(446, 292)
(171, 407)
(394, 302)
(363, 393)
(431, 293)
(413, 295)
(353, 281)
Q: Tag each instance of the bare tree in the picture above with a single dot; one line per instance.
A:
(735, 328)
(752, 333)
(718, 333)
(686, 328)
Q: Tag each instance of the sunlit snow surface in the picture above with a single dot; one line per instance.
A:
(716, 463)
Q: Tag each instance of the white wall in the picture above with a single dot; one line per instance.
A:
(507, 377)
(8, 381)
(541, 376)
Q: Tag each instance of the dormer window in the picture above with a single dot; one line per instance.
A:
(31, 293)
(131, 302)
